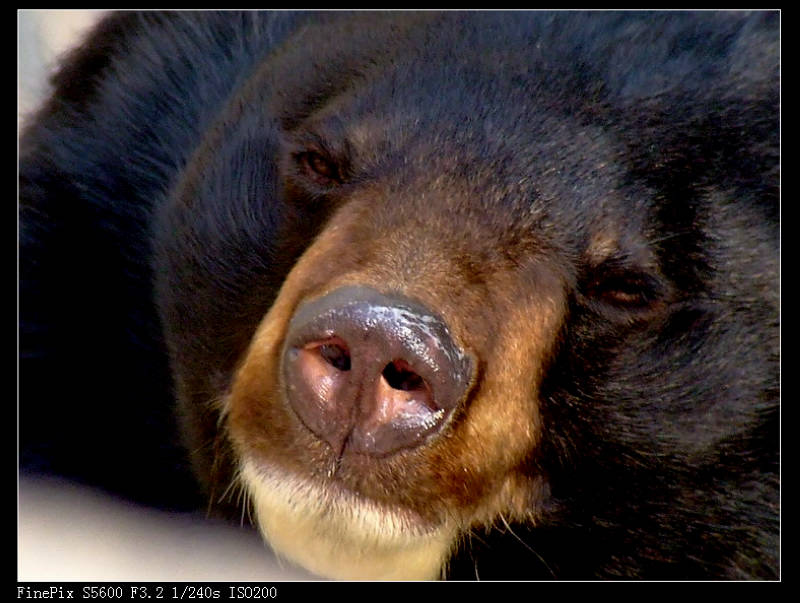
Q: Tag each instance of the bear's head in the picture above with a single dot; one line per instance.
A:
(427, 278)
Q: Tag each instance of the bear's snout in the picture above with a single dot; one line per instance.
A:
(372, 373)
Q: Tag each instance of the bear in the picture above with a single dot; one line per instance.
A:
(464, 295)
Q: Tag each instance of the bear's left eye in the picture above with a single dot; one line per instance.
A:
(630, 290)
(319, 168)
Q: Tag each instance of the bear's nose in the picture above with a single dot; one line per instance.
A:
(372, 373)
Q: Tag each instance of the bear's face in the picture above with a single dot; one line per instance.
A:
(482, 294)
(387, 248)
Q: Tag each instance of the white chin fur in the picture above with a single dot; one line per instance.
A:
(342, 536)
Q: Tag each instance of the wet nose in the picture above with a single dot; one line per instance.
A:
(372, 373)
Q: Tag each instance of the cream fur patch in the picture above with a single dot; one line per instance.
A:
(340, 535)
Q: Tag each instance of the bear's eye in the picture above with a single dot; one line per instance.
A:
(624, 291)
(319, 168)
(627, 290)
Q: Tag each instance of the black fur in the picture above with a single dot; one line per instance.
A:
(155, 226)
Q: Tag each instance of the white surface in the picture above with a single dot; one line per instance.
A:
(70, 533)
(42, 36)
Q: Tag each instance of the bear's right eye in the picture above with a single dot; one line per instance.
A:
(321, 169)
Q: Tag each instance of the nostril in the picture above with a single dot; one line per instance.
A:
(399, 375)
(319, 366)
(315, 374)
(334, 352)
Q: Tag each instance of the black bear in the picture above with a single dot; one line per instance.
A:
(453, 294)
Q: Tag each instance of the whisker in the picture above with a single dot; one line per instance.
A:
(526, 545)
